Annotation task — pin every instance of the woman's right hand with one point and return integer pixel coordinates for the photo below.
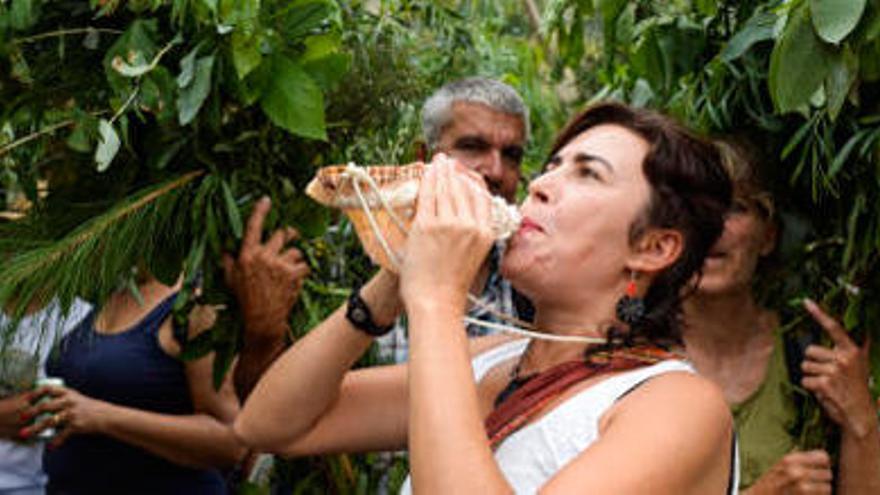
(798, 473)
(450, 238)
(71, 413)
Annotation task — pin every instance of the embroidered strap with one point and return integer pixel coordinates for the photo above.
(526, 402)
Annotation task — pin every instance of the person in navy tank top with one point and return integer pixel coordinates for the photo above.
(132, 417)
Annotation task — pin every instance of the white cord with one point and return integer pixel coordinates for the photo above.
(534, 335)
(359, 173)
(374, 225)
(356, 173)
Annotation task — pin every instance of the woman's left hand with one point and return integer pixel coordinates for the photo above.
(71, 412)
(838, 376)
(450, 237)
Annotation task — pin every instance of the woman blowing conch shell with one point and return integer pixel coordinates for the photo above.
(389, 194)
(621, 219)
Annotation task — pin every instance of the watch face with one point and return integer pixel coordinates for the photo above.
(358, 314)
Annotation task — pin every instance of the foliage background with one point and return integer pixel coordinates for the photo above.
(141, 132)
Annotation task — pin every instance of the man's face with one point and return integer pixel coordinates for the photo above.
(487, 141)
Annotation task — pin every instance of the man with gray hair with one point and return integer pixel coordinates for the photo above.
(483, 124)
(480, 122)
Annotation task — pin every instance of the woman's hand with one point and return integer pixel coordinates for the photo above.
(795, 474)
(13, 415)
(450, 238)
(71, 412)
(838, 376)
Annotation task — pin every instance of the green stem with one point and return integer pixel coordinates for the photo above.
(30, 137)
(64, 32)
(125, 105)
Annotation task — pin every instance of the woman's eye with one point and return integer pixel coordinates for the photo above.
(588, 172)
(739, 206)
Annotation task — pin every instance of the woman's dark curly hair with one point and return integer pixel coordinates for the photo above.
(690, 193)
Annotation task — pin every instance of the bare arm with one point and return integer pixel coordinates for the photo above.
(309, 401)
(201, 439)
(266, 279)
(449, 450)
(838, 377)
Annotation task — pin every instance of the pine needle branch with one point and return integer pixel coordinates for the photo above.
(92, 260)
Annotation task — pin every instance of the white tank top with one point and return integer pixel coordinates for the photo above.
(532, 455)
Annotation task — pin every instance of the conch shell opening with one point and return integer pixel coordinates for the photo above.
(390, 193)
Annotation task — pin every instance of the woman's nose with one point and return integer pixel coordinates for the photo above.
(539, 189)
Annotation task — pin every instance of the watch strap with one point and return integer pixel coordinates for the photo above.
(360, 316)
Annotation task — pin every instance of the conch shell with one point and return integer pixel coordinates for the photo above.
(394, 186)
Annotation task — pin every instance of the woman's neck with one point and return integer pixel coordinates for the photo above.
(123, 309)
(725, 324)
(557, 320)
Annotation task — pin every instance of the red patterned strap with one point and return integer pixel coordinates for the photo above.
(529, 400)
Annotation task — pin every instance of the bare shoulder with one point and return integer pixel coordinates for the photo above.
(677, 398)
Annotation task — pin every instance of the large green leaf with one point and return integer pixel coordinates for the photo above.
(799, 63)
(758, 28)
(293, 101)
(193, 95)
(835, 19)
(246, 55)
(327, 71)
(841, 77)
(302, 16)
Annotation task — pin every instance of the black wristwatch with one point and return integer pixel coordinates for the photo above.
(359, 315)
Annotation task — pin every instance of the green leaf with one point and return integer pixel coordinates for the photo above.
(329, 70)
(232, 211)
(108, 145)
(798, 65)
(759, 27)
(869, 63)
(841, 77)
(23, 14)
(293, 101)
(835, 19)
(193, 96)
(137, 39)
(842, 155)
(303, 16)
(707, 7)
(137, 65)
(611, 9)
(246, 55)
(85, 130)
(188, 68)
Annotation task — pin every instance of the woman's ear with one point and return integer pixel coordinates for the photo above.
(768, 243)
(656, 250)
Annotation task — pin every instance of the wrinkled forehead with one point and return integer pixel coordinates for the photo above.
(468, 119)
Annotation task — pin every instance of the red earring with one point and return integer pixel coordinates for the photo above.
(630, 308)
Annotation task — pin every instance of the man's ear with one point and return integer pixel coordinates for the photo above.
(656, 250)
(421, 151)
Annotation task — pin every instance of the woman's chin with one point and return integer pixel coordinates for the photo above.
(519, 270)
